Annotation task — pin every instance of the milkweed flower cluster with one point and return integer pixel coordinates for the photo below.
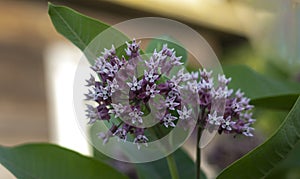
(117, 76)
(237, 117)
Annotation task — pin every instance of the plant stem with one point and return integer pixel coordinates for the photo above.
(172, 167)
(198, 152)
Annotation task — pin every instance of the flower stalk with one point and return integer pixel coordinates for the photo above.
(172, 166)
(198, 152)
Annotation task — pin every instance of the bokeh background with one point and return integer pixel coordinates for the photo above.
(263, 35)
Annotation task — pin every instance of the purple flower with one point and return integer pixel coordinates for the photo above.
(117, 109)
(227, 124)
(90, 95)
(170, 103)
(140, 139)
(184, 114)
(168, 120)
(214, 119)
(151, 91)
(136, 116)
(154, 61)
(221, 93)
(103, 92)
(135, 85)
(133, 49)
(150, 76)
(91, 81)
(247, 131)
(121, 133)
(116, 74)
(223, 81)
(92, 114)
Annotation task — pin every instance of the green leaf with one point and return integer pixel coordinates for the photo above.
(81, 30)
(76, 27)
(264, 91)
(33, 161)
(159, 169)
(259, 162)
(172, 43)
(286, 168)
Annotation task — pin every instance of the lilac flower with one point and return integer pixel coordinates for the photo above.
(175, 60)
(91, 81)
(206, 85)
(113, 85)
(221, 93)
(168, 120)
(167, 51)
(150, 76)
(239, 94)
(135, 85)
(109, 54)
(214, 119)
(227, 123)
(155, 60)
(184, 76)
(193, 86)
(140, 139)
(112, 70)
(184, 114)
(127, 118)
(117, 109)
(205, 75)
(92, 114)
(135, 115)
(133, 49)
(223, 81)
(194, 75)
(170, 103)
(172, 93)
(247, 131)
(121, 133)
(103, 92)
(151, 91)
(90, 95)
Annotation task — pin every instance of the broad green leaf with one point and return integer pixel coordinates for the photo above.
(264, 91)
(172, 43)
(81, 30)
(289, 168)
(159, 169)
(260, 161)
(76, 27)
(34, 161)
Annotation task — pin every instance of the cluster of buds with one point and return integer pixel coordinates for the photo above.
(118, 77)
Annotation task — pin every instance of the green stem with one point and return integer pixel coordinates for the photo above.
(200, 124)
(198, 152)
(172, 166)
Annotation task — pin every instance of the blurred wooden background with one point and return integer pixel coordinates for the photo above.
(23, 29)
